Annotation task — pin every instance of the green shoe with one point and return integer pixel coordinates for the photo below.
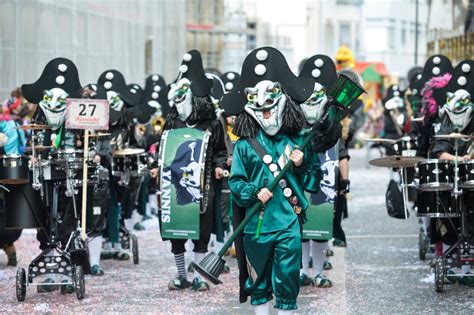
(46, 287)
(467, 279)
(329, 252)
(67, 288)
(305, 280)
(121, 255)
(321, 281)
(139, 227)
(200, 285)
(97, 271)
(339, 243)
(179, 283)
(106, 254)
(327, 265)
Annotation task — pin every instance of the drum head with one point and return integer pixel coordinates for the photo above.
(24, 208)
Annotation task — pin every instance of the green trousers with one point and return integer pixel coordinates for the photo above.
(274, 260)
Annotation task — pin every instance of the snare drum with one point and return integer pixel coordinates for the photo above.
(71, 157)
(466, 174)
(436, 175)
(437, 204)
(14, 170)
(137, 163)
(405, 147)
(118, 165)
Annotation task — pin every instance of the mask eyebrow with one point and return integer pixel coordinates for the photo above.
(250, 90)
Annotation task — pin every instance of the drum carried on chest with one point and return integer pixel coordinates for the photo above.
(436, 175)
(14, 170)
(405, 147)
(466, 174)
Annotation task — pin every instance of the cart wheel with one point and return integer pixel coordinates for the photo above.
(79, 283)
(439, 274)
(422, 245)
(133, 237)
(20, 284)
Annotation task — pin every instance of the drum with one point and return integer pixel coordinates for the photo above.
(118, 165)
(405, 147)
(24, 208)
(137, 163)
(437, 204)
(466, 174)
(14, 170)
(69, 159)
(436, 175)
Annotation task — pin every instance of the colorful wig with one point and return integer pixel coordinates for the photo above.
(429, 107)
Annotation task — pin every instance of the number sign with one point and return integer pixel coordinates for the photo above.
(83, 113)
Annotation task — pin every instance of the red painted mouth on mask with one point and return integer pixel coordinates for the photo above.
(266, 114)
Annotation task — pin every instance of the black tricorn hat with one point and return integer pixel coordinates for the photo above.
(156, 90)
(463, 78)
(393, 91)
(113, 80)
(230, 80)
(58, 73)
(435, 66)
(266, 63)
(415, 73)
(218, 89)
(321, 69)
(191, 68)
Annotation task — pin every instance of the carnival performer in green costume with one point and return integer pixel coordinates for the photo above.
(269, 118)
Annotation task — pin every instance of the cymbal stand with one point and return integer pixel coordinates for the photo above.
(404, 186)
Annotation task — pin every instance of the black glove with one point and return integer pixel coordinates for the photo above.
(345, 186)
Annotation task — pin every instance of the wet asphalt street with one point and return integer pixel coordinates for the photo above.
(378, 273)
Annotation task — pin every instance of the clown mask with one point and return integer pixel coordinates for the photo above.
(53, 106)
(265, 103)
(315, 105)
(459, 108)
(180, 95)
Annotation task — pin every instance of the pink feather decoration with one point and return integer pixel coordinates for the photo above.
(429, 108)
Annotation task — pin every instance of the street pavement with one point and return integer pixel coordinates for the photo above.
(378, 273)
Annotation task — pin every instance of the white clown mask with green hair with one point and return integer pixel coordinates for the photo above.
(180, 95)
(315, 106)
(459, 108)
(53, 106)
(265, 103)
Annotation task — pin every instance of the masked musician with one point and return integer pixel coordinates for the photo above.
(457, 117)
(322, 70)
(191, 167)
(265, 100)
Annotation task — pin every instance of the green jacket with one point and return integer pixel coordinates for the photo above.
(248, 176)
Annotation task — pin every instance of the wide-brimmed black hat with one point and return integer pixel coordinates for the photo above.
(393, 91)
(462, 78)
(191, 68)
(415, 73)
(58, 73)
(321, 69)
(156, 93)
(435, 66)
(113, 80)
(218, 89)
(266, 63)
(230, 80)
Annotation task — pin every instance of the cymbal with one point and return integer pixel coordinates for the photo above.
(454, 136)
(100, 134)
(33, 127)
(380, 140)
(128, 151)
(396, 161)
(39, 148)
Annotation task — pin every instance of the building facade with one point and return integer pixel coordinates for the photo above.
(136, 37)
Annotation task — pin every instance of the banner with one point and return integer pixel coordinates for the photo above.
(320, 213)
(181, 159)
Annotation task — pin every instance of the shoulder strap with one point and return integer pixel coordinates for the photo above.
(261, 152)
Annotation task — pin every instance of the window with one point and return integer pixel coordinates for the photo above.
(344, 34)
(391, 37)
(404, 36)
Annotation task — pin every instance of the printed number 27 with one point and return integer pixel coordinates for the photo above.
(84, 108)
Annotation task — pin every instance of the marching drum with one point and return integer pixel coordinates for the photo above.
(118, 165)
(466, 174)
(436, 175)
(437, 204)
(14, 170)
(24, 208)
(137, 163)
(405, 147)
